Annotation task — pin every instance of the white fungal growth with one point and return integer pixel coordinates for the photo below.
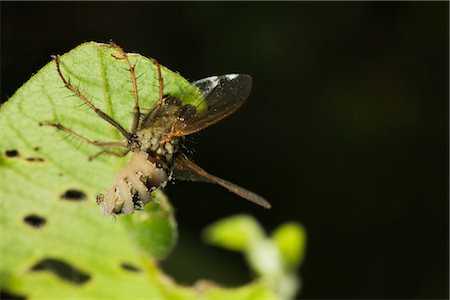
(132, 185)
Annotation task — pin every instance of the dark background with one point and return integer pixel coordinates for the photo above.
(346, 130)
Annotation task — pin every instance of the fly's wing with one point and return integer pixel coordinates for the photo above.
(182, 171)
(223, 95)
(185, 169)
(163, 115)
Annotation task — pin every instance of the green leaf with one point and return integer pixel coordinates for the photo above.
(55, 243)
(158, 218)
(236, 233)
(275, 260)
(291, 241)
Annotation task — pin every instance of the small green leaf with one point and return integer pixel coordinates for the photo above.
(265, 259)
(236, 233)
(291, 241)
(154, 230)
(274, 260)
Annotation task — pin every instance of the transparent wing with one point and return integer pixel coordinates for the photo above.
(164, 115)
(223, 95)
(185, 169)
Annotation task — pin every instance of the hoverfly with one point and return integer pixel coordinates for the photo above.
(155, 140)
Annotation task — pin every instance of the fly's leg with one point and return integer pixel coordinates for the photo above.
(151, 114)
(99, 112)
(160, 82)
(137, 113)
(82, 138)
(136, 117)
(123, 55)
(109, 152)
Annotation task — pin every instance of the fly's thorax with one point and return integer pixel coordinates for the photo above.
(132, 186)
(161, 153)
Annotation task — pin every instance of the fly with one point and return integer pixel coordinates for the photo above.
(155, 140)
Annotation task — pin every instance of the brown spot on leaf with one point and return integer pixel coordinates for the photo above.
(63, 270)
(7, 295)
(35, 220)
(35, 159)
(73, 195)
(130, 267)
(12, 153)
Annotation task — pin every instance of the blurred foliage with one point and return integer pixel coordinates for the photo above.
(290, 239)
(273, 259)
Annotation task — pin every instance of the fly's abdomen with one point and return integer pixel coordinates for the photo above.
(132, 186)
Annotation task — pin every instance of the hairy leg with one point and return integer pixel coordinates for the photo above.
(77, 92)
(58, 126)
(137, 114)
(109, 152)
(154, 111)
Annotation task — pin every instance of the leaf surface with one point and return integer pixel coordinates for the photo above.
(55, 243)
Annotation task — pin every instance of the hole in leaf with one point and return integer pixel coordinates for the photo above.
(35, 220)
(63, 270)
(130, 267)
(5, 294)
(73, 195)
(35, 159)
(12, 153)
